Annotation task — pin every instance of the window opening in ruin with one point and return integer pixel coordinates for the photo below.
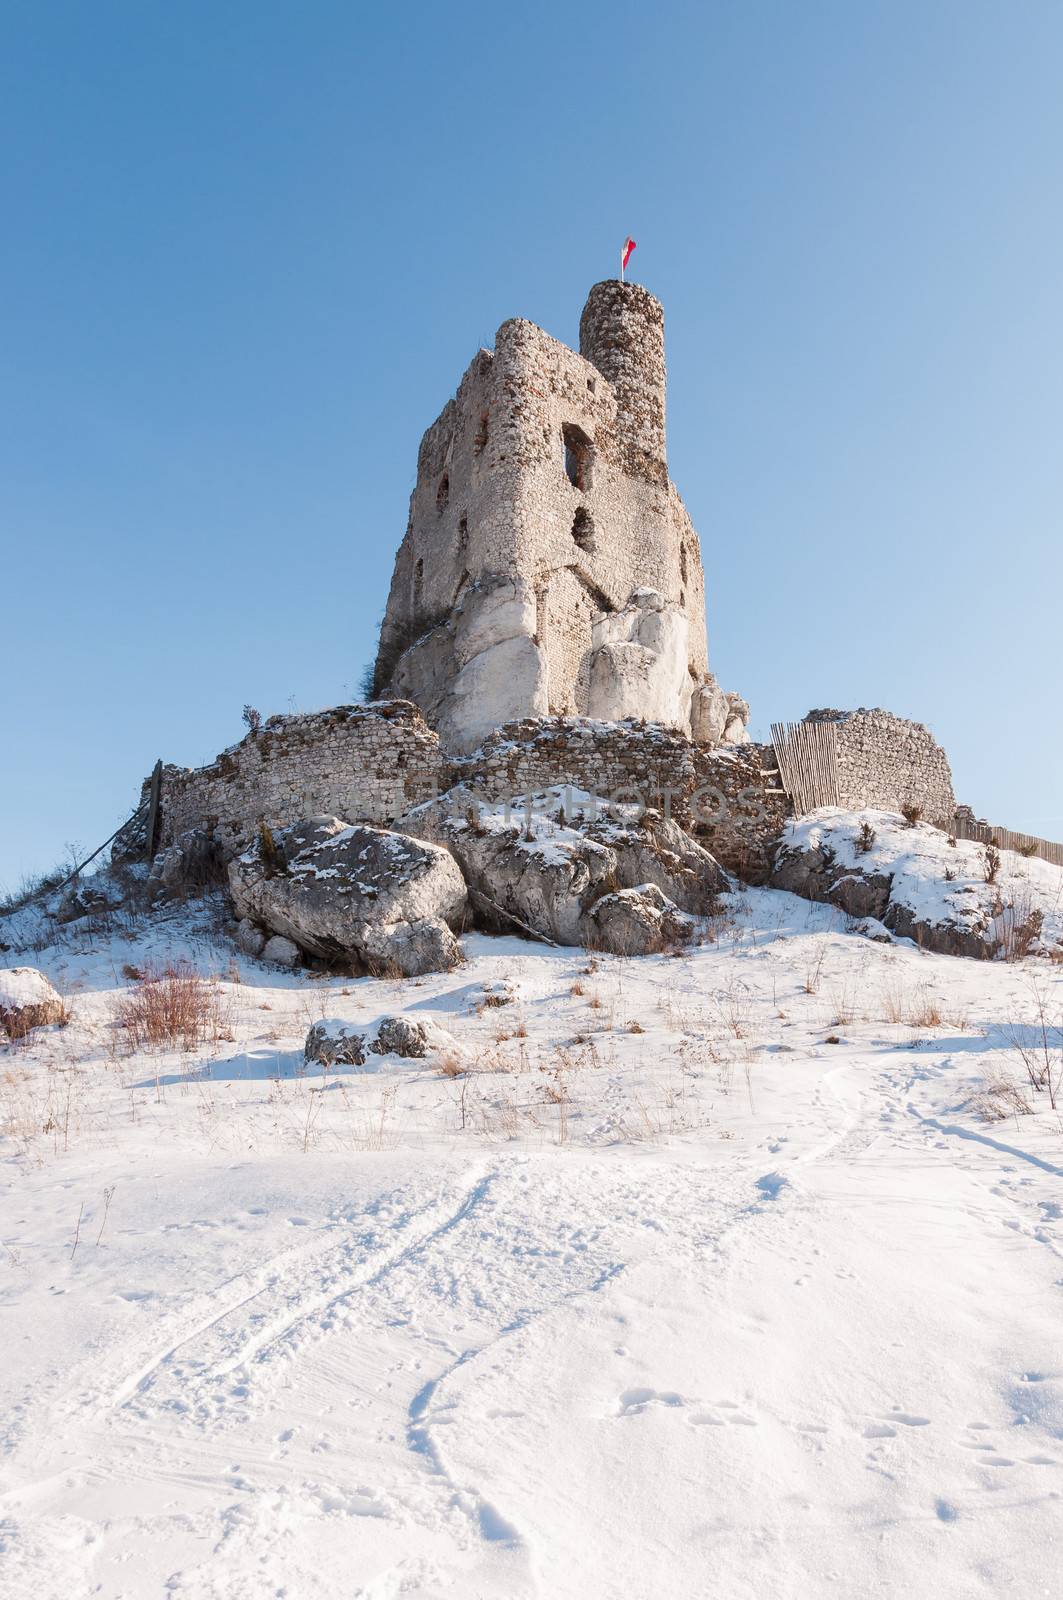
(443, 493)
(418, 584)
(479, 444)
(583, 529)
(591, 385)
(463, 532)
(579, 456)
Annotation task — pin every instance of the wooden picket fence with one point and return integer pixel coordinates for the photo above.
(807, 753)
(1026, 844)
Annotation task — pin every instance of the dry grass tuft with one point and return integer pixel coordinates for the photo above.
(172, 1007)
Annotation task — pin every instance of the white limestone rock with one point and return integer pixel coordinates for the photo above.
(637, 922)
(546, 870)
(353, 893)
(250, 937)
(717, 717)
(281, 951)
(480, 668)
(639, 663)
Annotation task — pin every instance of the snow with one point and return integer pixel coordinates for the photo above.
(709, 1278)
(23, 986)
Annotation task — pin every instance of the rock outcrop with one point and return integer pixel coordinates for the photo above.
(717, 717)
(638, 666)
(190, 863)
(637, 922)
(353, 893)
(537, 867)
(477, 666)
(948, 897)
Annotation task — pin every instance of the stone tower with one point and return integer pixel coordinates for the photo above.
(549, 565)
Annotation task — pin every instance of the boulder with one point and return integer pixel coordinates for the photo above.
(542, 868)
(27, 1000)
(87, 898)
(816, 873)
(709, 712)
(190, 863)
(398, 1036)
(281, 951)
(717, 717)
(655, 849)
(354, 893)
(480, 666)
(250, 938)
(637, 922)
(544, 875)
(334, 1043)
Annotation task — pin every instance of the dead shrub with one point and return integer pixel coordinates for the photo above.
(894, 1002)
(1039, 1046)
(925, 1012)
(1020, 923)
(865, 838)
(991, 863)
(171, 1007)
(1001, 1098)
(911, 814)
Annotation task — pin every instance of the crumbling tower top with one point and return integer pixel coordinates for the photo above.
(621, 332)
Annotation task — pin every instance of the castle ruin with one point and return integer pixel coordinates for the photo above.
(549, 566)
(546, 627)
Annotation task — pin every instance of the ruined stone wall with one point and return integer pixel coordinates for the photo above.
(886, 762)
(727, 796)
(374, 763)
(506, 561)
(370, 763)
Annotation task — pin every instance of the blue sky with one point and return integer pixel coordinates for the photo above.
(249, 250)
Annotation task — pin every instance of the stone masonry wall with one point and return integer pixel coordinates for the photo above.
(374, 763)
(370, 763)
(727, 796)
(886, 762)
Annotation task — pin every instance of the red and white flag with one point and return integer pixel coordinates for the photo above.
(625, 255)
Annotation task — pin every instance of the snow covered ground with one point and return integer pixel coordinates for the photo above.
(709, 1278)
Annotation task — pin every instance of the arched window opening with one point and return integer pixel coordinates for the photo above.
(463, 532)
(443, 493)
(479, 444)
(579, 456)
(583, 529)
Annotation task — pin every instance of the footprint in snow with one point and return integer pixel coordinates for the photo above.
(733, 1416)
(634, 1401)
(884, 1429)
